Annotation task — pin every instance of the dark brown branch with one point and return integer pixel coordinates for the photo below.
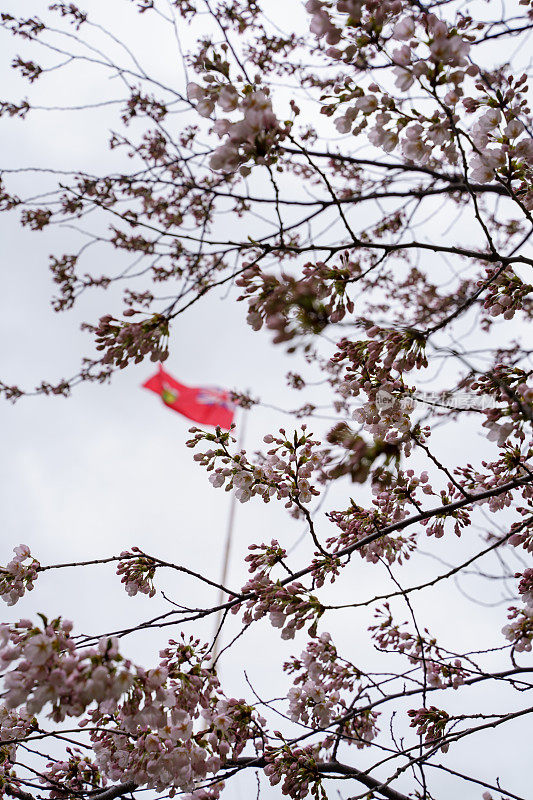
(115, 791)
(332, 768)
(11, 791)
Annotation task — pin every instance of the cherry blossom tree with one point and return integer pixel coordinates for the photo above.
(337, 148)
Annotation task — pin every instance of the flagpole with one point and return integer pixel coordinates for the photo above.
(229, 540)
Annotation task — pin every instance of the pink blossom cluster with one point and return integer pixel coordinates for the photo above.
(493, 475)
(511, 389)
(499, 433)
(137, 570)
(431, 723)
(320, 661)
(446, 45)
(440, 675)
(525, 587)
(421, 651)
(461, 518)
(254, 137)
(264, 556)
(445, 52)
(156, 756)
(365, 104)
(309, 703)
(386, 350)
(79, 773)
(316, 697)
(497, 147)
(502, 147)
(521, 537)
(46, 668)
(325, 566)
(321, 21)
(362, 14)
(384, 414)
(390, 505)
(520, 630)
(210, 792)
(375, 367)
(393, 504)
(391, 128)
(293, 601)
(207, 97)
(174, 728)
(16, 578)
(13, 725)
(506, 293)
(123, 341)
(290, 306)
(289, 607)
(297, 767)
(284, 473)
(167, 727)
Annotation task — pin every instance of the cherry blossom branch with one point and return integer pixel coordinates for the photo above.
(336, 768)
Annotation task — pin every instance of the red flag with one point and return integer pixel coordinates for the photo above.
(206, 405)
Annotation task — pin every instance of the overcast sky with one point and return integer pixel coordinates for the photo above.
(106, 469)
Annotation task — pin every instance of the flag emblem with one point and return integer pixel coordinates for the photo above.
(213, 396)
(168, 394)
(204, 404)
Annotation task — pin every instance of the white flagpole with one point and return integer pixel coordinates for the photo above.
(228, 542)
